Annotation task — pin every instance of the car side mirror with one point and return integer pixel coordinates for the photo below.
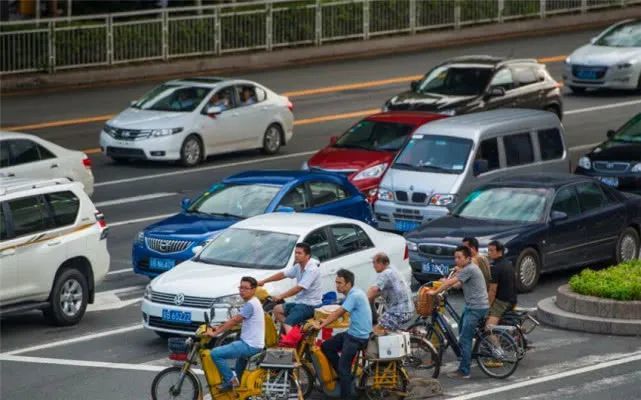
(611, 133)
(197, 249)
(593, 40)
(214, 110)
(481, 167)
(285, 209)
(414, 85)
(495, 92)
(185, 203)
(557, 216)
(333, 140)
(132, 102)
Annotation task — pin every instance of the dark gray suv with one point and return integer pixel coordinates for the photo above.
(478, 83)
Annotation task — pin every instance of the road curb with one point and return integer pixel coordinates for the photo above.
(245, 62)
(576, 303)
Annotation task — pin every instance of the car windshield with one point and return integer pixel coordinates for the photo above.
(178, 98)
(456, 81)
(626, 35)
(240, 201)
(631, 131)
(435, 154)
(249, 248)
(505, 204)
(375, 135)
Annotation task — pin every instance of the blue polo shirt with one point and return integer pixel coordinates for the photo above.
(357, 305)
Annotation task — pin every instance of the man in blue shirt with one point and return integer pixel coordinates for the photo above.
(348, 343)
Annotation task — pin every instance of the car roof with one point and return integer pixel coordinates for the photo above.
(279, 177)
(406, 117)
(16, 135)
(540, 180)
(488, 60)
(208, 81)
(291, 223)
(472, 126)
(17, 185)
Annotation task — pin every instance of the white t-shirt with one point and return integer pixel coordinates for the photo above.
(310, 280)
(252, 331)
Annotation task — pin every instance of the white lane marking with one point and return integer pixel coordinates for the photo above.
(213, 167)
(134, 221)
(91, 364)
(602, 107)
(632, 357)
(109, 299)
(134, 199)
(604, 384)
(120, 271)
(78, 339)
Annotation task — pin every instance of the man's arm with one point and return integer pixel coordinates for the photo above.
(289, 293)
(373, 292)
(278, 276)
(491, 292)
(332, 317)
(447, 283)
(230, 323)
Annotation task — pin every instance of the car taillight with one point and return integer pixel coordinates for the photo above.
(290, 105)
(86, 161)
(100, 218)
(407, 253)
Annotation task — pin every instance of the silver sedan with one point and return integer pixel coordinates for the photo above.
(612, 60)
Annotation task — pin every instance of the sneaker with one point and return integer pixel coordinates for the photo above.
(458, 375)
(233, 383)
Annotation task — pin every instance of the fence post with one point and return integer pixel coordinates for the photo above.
(542, 8)
(217, 32)
(110, 39)
(52, 47)
(457, 16)
(318, 24)
(165, 35)
(584, 6)
(365, 19)
(412, 6)
(269, 18)
(501, 6)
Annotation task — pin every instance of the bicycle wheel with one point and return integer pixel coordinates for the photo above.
(497, 354)
(306, 380)
(432, 334)
(167, 385)
(389, 388)
(424, 357)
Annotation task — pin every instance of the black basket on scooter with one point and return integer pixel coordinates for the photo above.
(177, 345)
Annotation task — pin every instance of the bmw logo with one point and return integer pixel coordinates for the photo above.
(179, 299)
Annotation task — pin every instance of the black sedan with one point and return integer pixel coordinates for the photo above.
(548, 222)
(479, 83)
(617, 161)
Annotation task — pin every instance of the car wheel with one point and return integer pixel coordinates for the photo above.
(639, 84)
(556, 110)
(68, 299)
(191, 152)
(528, 270)
(272, 139)
(577, 89)
(627, 245)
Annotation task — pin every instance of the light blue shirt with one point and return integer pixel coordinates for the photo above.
(357, 304)
(310, 280)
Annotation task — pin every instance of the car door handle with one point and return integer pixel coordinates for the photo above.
(8, 252)
(54, 243)
(10, 174)
(54, 165)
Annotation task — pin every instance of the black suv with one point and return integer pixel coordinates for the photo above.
(469, 84)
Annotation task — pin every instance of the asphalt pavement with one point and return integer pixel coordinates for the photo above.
(109, 356)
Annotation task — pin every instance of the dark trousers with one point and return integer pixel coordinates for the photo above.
(348, 346)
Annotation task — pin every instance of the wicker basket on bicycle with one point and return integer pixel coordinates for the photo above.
(425, 303)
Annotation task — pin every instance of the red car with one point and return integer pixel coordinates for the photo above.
(364, 152)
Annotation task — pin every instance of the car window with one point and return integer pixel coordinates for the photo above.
(375, 135)
(3, 224)
(503, 79)
(591, 196)
(325, 193)
(261, 95)
(518, 149)
(455, 81)
(240, 201)
(489, 150)
(44, 153)
(567, 202)
(525, 75)
(5, 157)
(296, 198)
(319, 242)
(550, 144)
(29, 215)
(65, 207)
(350, 238)
(23, 151)
(174, 97)
(224, 98)
(247, 94)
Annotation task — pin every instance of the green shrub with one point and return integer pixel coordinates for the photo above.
(620, 282)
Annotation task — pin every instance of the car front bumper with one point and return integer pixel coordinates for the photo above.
(613, 78)
(625, 181)
(152, 317)
(141, 256)
(164, 148)
(400, 217)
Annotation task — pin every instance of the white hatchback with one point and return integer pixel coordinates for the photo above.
(176, 301)
(190, 119)
(28, 156)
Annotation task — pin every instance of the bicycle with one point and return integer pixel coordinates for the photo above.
(495, 350)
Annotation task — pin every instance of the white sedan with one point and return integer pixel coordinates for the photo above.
(191, 119)
(28, 156)
(176, 301)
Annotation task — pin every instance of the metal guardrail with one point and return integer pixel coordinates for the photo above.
(74, 42)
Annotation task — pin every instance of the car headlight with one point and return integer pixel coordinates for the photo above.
(140, 237)
(164, 132)
(636, 168)
(385, 107)
(443, 199)
(385, 194)
(147, 295)
(372, 172)
(233, 300)
(626, 65)
(411, 246)
(109, 130)
(568, 60)
(451, 112)
(585, 163)
(305, 166)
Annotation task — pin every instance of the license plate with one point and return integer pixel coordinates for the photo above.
(404, 226)
(161, 263)
(181, 317)
(434, 268)
(586, 74)
(610, 180)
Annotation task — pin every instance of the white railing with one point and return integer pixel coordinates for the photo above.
(73, 42)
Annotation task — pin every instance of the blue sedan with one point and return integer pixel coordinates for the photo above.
(164, 244)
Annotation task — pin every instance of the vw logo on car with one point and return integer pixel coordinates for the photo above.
(179, 299)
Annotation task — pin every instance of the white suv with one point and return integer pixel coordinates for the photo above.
(53, 248)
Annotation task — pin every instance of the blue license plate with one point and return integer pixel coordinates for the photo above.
(181, 317)
(610, 180)
(161, 263)
(586, 74)
(404, 226)
(434, 268)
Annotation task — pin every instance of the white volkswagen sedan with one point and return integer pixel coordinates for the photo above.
(176, 301)
(191, 119)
